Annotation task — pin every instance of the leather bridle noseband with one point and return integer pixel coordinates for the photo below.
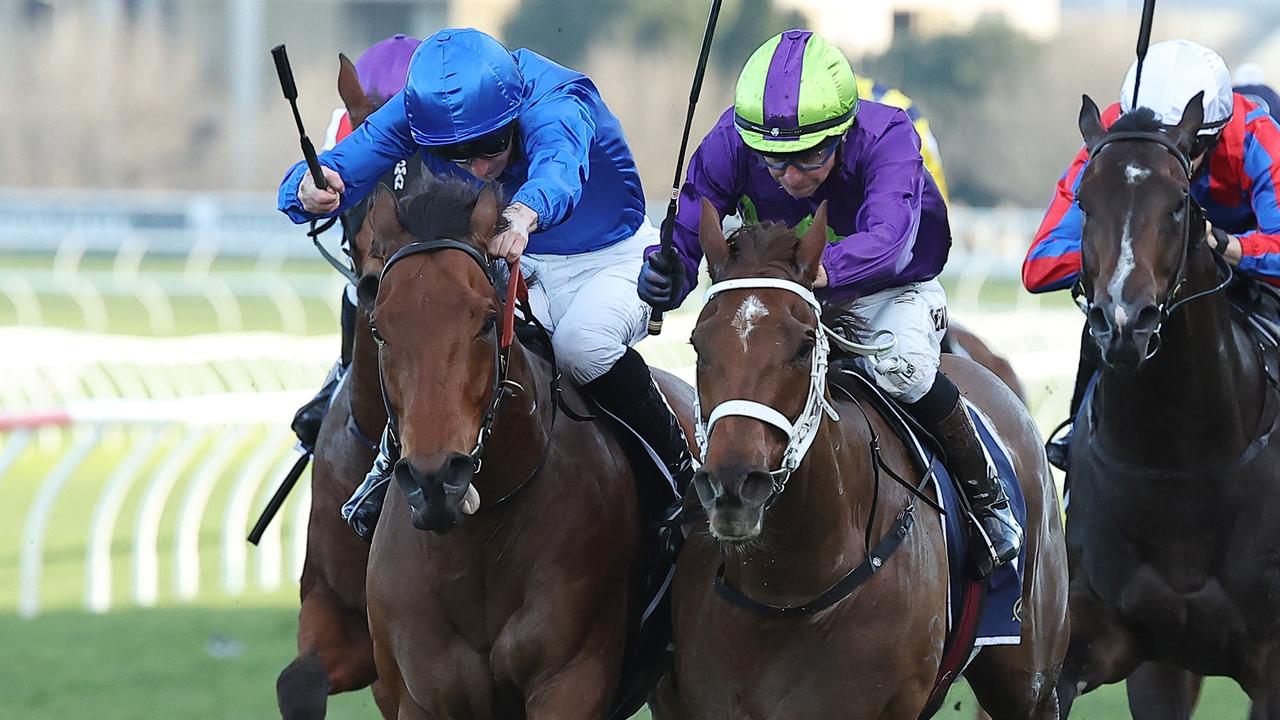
(1171, 301)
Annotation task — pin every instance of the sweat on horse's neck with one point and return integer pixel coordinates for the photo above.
(1198, 400)
(813, 534)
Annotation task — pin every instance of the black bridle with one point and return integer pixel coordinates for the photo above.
(1191, 212)
(502, 386)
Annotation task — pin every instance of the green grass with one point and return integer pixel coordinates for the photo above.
(221, 662)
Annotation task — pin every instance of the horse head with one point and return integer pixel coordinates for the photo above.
(434, 315)
(757, 341)
(1138, 225)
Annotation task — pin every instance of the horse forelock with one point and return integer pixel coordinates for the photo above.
(765, 249)
(440, 208)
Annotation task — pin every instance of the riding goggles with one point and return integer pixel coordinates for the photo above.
(805, 160)
(485, 146)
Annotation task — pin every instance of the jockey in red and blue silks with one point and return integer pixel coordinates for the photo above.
(1237, 161)
(477, 112)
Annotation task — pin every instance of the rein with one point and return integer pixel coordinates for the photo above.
(800, 436)
(502, 386)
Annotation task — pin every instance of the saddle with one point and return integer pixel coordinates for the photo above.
(1257, 310)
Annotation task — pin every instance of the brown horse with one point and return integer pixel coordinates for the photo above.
(1172, 543)
(519, 610)
(876, 652)
(335, 653)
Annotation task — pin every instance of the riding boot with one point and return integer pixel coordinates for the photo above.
(361, 512)
(997, 538)
(627, 392)
(309, 417)
(1059, 448)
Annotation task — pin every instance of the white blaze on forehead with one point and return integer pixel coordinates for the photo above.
(1135, 173)
(744, 321)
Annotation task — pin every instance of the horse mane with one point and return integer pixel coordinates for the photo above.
(1142, 119)
(762, 247)
(440, 207)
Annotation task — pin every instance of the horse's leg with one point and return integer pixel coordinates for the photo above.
(582, 689)
(1101, 650)
(1158, 691)
(334, 655)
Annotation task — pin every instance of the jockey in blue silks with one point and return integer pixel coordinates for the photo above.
(475, 111)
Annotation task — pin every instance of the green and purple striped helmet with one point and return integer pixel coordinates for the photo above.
(794, 91)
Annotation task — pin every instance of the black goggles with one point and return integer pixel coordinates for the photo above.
(485, 146)
(805, 160)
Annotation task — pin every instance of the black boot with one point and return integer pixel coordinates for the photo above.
(361, 512)
(627, 392)
(309, 417)
(1059, 448)
(998, 537)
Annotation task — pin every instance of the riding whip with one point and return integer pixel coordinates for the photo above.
(668, 224)
(1144, 39)
(285, 72)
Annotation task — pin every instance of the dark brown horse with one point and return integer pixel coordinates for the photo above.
(519, 610)
(876, 652)
(1175, 553)
(335, 653)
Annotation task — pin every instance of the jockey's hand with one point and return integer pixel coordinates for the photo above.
(821, 280)
(661, 279)
(510, 243)
(321, 202)
(1234, 250)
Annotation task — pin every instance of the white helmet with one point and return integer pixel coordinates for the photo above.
(1174, 71)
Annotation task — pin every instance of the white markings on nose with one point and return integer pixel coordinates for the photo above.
(744, 321)
(1124, 265)
(1135, 173)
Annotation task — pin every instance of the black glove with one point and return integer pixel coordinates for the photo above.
(661, 279)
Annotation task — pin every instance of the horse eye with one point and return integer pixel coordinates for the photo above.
(805, 350)
(377, 336)
(489, 323)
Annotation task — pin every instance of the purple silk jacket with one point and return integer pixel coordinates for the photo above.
(887, 222)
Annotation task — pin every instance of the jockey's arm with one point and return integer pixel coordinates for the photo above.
(1053, 260)
(1260, 248)
(558, 133)
(886, 224)
(712, 175)
(360, 160)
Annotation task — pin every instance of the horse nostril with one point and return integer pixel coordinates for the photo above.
(1148, 320)
(1099, 327)
(757, 486)
(702, 485)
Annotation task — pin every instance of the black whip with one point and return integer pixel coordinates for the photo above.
(1144, 40)
(668, 225)
(285, 72)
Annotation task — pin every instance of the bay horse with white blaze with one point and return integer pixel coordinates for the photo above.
(517, 608)
(872, 653)
(1174, 546)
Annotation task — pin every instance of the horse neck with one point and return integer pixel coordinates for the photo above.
(1199, 397)
(367, 407)
(812, 535)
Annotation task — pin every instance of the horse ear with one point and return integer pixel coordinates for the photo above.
(1192, 120)
(809, 253)
(359, 107)
(484, 217)
(711, 237)
(383, 220)
(1090, 121)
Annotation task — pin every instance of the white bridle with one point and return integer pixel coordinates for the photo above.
(801, 433)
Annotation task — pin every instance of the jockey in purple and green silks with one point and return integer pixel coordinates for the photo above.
(798, 135)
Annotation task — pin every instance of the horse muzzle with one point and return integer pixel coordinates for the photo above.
(435, 498)
(735, 501)
(1128, 334)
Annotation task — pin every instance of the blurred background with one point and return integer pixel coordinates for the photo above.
(161, 322)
